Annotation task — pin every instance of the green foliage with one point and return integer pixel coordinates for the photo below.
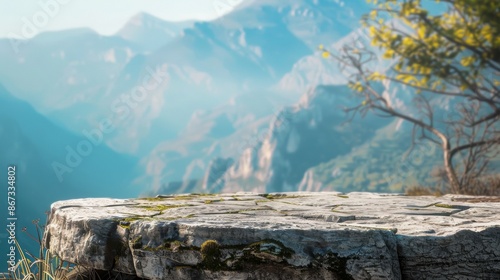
(380, 165)
(453, 54)
(438, 52)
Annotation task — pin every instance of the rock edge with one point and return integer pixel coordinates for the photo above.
(281, 236)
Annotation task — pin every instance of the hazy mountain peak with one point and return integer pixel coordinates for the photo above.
(151, 32)
(313, 21)
(146, 20)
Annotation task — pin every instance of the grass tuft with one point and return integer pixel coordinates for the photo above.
(45, 266)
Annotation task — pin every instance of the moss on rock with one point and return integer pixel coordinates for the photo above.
(210, 254)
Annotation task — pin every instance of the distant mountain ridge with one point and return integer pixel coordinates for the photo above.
(150, 32)
(214, 121)
(312, 133)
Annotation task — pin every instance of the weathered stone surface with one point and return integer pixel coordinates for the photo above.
(282, 236)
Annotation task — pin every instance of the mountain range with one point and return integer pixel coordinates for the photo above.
(240, 103)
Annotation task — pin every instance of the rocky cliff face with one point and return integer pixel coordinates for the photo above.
(315, 146)
(300, 137)
(281, 236)
(151, 33)
(214, 177)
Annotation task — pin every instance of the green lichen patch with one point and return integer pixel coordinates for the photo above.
(162, 207)
(442, 205)
(279, 196)
(184, 197)
(335, 208)
(176, 245)
(126, 222)
(153, 198)
(420, 207)
(181, 196)
(205, 194)
(451, 206)
(174, 218)
(132, 219)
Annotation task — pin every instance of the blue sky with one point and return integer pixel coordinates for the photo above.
(104, 16)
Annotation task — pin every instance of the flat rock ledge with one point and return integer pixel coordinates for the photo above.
(280, 236)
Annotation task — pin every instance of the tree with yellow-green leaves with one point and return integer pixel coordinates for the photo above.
(453, 54)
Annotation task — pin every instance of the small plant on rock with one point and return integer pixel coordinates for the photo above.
(210, 254)
(45, 266)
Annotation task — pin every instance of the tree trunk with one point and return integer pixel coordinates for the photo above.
(448, 167)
